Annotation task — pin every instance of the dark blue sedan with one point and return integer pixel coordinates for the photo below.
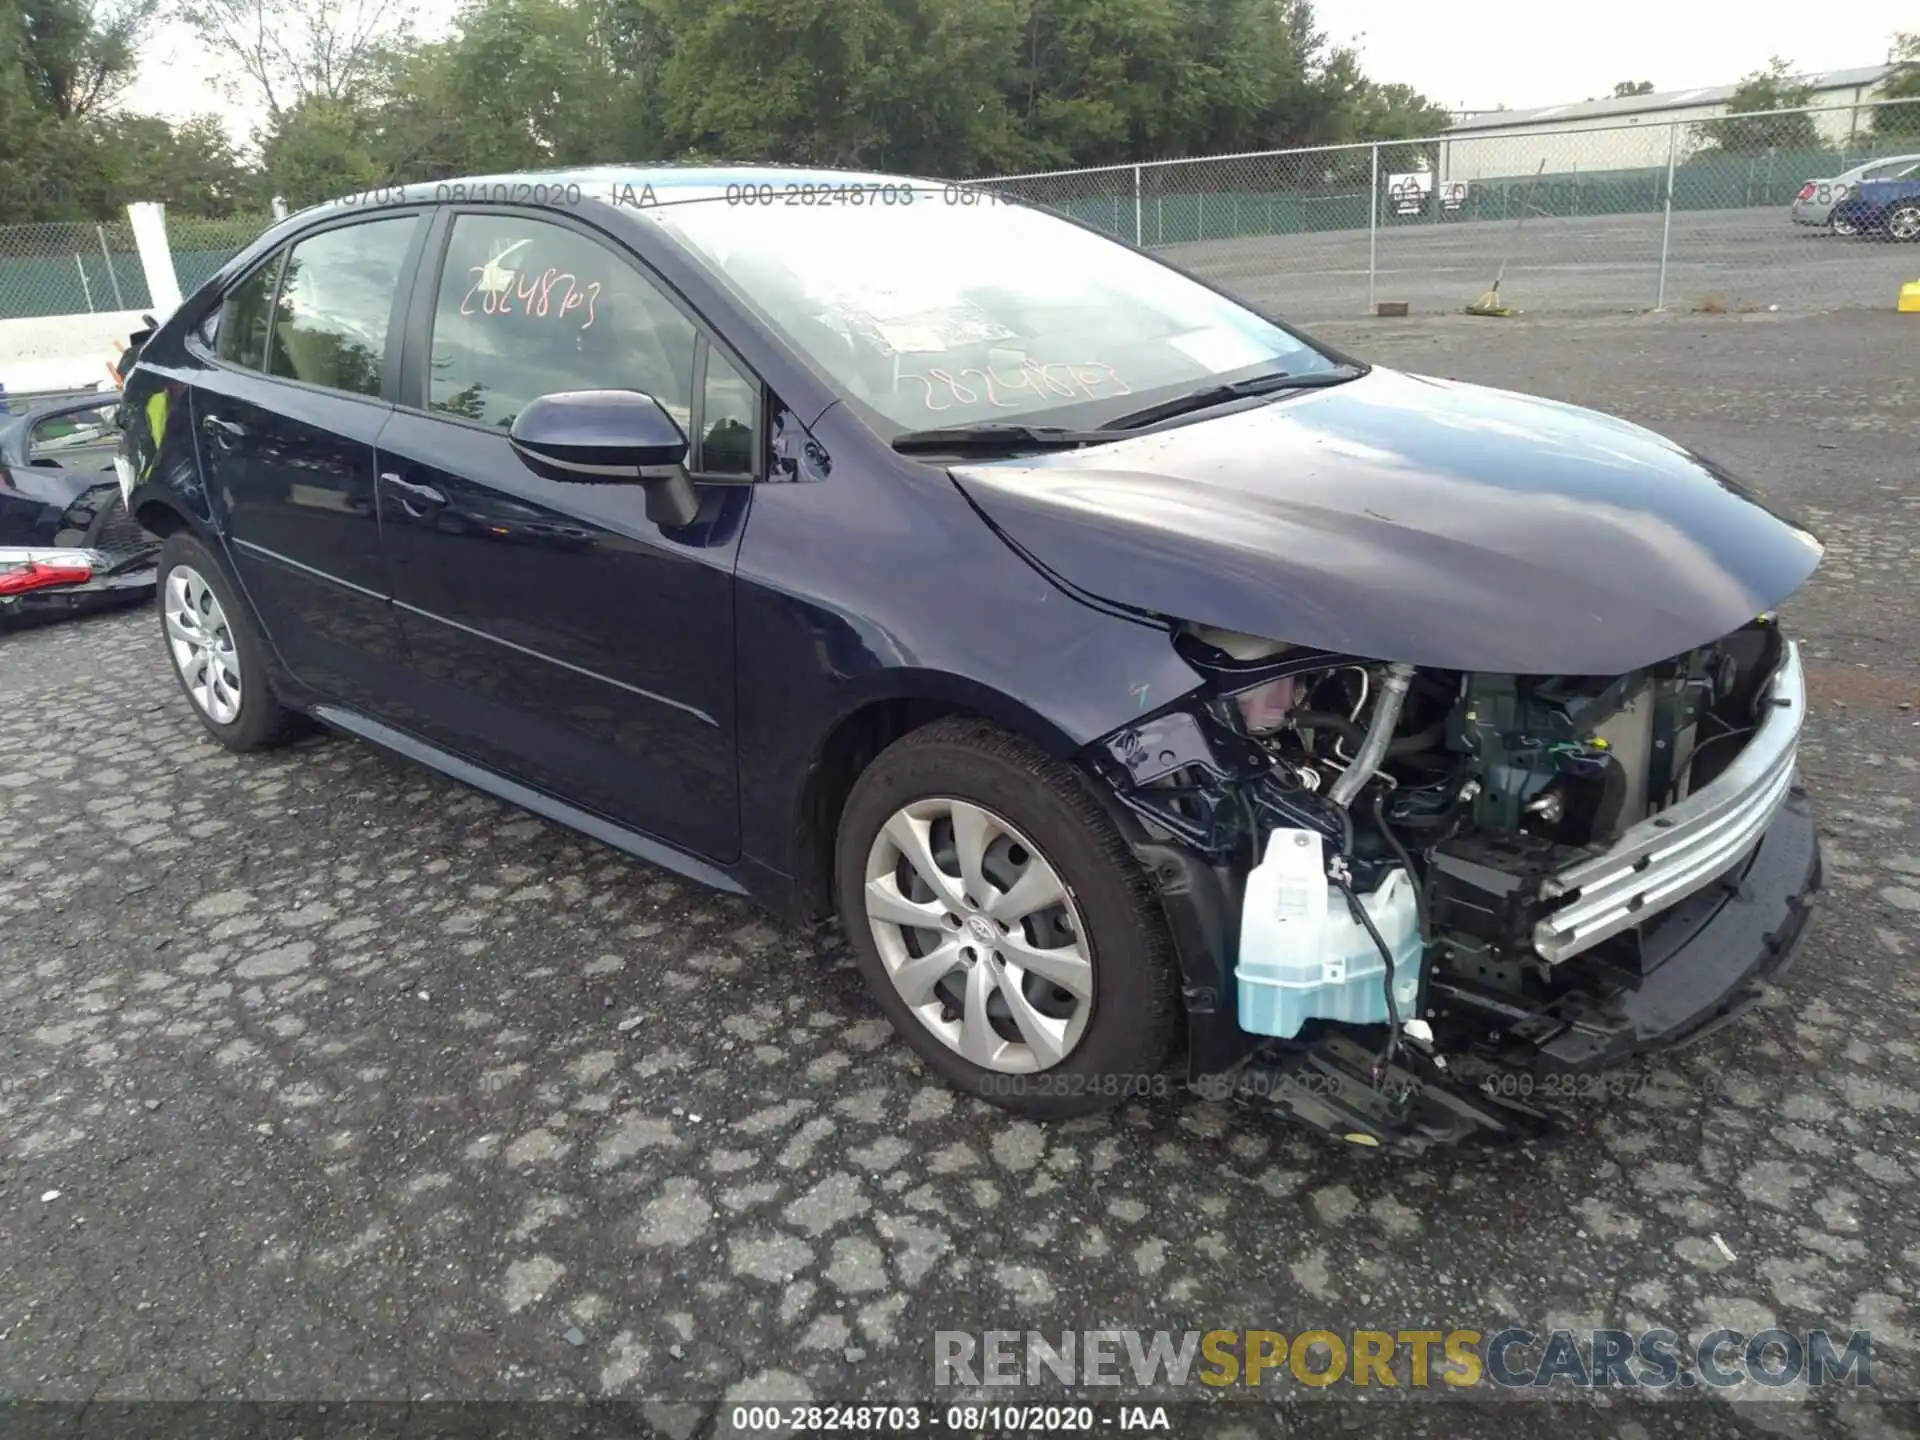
(1127, 672)
(1881, 207)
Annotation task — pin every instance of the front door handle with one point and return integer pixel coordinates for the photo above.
(424, 493)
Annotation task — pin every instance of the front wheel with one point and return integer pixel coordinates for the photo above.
(1904, 222)
(1003, 925)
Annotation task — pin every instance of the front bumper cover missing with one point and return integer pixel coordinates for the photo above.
(1705, 962)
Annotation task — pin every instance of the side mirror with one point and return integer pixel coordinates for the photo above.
(609, 437)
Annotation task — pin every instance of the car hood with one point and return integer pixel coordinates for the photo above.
(1400, 517)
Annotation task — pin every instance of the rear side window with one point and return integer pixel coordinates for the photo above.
(330, 326)
(245, 315)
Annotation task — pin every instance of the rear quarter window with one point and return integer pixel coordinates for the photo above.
(246, 315)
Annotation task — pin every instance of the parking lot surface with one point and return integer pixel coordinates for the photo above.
(1718, 259)
(323, 1077)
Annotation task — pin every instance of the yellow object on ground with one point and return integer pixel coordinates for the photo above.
(1910, 297)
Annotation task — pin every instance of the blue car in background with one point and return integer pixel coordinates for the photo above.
(1882, 207)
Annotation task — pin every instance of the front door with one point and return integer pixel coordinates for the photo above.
(288, 408)
(558, 635)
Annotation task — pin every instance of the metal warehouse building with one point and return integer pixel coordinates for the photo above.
(1632, 133)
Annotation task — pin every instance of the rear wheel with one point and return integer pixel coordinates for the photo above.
(1843, 226)
(217, 654)
(1002, 924)
(1904, 222)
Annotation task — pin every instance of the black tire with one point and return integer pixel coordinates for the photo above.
(262, 721)
(1122, 1051)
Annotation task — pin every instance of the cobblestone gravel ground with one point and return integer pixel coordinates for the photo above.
(323, 1077)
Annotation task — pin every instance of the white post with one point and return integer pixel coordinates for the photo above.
(279, 208)
(1136, 205)
(156, 256)
(85, 289)
(1666, 225)
(1373, 226)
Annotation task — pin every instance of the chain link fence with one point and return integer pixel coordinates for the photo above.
(84, 267)
(1719, 212)
(201, 246)
(69, 268)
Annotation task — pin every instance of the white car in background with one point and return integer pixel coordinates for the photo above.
(1814, 204)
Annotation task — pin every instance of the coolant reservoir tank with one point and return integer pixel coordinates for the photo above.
(1303, 956)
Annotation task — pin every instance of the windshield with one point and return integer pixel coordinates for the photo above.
(949, 306)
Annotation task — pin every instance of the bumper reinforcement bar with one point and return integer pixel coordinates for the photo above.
(1661, 860)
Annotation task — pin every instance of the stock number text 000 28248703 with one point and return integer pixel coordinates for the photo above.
(859, 193)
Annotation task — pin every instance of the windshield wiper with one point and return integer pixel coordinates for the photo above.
(1207, 396)
(996, 436)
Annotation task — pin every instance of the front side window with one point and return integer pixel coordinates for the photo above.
(729, 419)
(330, 326)
(246, 313)
(951, 307)
(527, 308)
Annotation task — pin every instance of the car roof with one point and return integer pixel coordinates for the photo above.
(1866, 165)
(621, 185)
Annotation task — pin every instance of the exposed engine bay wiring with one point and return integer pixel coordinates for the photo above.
(1472, 785)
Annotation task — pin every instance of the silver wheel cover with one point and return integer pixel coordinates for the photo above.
(202, 645)
(979, 935)
(1904, 223)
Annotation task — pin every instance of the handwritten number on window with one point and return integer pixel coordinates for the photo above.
(1092, 380)
(533, 291)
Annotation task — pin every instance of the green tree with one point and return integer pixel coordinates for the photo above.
(318, 149)
(80, 55)
(284, 53)
(905, 84)
(517, 84)
(1901, 122)
(25, 182)
(1744, 130)
(1627, 89)
(936, 87)
(191, 165)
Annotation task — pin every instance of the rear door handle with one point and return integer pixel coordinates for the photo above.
(224, 432)
(419, 492)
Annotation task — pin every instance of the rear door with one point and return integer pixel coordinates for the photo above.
(304, 356)
(560, 636)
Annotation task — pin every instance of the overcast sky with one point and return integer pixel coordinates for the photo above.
(1472, 54)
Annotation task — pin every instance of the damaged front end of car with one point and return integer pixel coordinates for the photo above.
(1390, 885)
